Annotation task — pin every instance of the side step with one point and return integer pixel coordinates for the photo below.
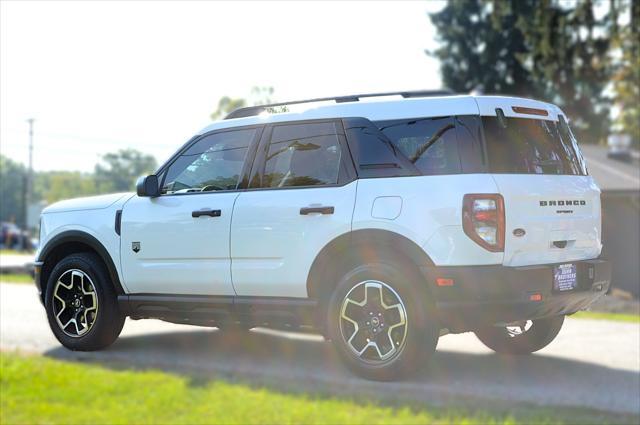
(204, 310)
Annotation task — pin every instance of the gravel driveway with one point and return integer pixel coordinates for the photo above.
(593, 364)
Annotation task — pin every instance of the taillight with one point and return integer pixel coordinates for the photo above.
(483, 220)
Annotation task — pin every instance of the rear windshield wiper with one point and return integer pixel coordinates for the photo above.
(420, 151)
(550, 163)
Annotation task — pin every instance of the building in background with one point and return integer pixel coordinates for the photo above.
(620, 185)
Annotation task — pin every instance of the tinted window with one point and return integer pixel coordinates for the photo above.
(372, 151)
(469, 135)
(429, 143)
(302, 155)
(212, 163)
(568, 138)
(529, 146)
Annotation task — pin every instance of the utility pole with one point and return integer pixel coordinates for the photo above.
(29, 182)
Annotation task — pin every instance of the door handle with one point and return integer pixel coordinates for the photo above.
(209, 212)
(316, 210)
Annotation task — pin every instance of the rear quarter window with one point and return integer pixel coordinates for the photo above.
(429, 143)
(373, 154)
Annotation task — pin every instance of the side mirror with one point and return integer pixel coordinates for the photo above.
(148, 186)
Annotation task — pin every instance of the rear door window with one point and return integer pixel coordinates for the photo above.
(307, 154)
(429, 143)
(530, 146)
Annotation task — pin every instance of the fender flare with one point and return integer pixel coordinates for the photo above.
(86, 239)
(378, 239)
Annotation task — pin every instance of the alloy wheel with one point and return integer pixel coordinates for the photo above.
(374, 322)
(75, 303)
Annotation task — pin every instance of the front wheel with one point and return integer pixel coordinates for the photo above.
(521, 338)
(81, 305)
(382, 322)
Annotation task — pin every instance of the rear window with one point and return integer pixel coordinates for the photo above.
(429, 143)
(530, 146)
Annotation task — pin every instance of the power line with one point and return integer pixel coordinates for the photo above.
(28, 184)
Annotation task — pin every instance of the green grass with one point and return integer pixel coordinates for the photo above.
(40, 390)
(15, 278)
(14, 252)
(616, 317)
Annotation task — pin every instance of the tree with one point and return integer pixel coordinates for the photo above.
(53, 186)
(226, 104)
(12, 180)
(548, 49)
(118, 171)
(570, 61)
(481, 47)
(627, 74)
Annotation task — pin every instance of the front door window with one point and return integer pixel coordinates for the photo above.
(211, 164)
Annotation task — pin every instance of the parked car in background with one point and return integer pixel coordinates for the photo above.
(382, 224)
(619, 146)
(14, 238)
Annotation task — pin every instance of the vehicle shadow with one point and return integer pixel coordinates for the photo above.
(307, 364)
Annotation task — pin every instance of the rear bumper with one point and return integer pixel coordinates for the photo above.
(485, 295)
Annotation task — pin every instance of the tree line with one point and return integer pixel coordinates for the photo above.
(116, 172)
(582, 55)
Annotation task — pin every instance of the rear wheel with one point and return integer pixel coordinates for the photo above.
(523, 337)
(381, 322)
(81, 305)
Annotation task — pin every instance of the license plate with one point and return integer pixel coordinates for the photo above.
(565, 277)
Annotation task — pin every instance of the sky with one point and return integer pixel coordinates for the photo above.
(103, 76)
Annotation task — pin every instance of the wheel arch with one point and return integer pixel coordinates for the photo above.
(70, 242)
(350, 247)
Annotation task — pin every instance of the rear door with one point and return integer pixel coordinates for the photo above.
(301, 196)
(552, 207)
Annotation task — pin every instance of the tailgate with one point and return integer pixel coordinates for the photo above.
(560, 216)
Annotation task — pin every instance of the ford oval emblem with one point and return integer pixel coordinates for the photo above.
(519, 232)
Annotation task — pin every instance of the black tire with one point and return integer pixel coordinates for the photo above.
(538, 336)
(107, 321)
(420, 335)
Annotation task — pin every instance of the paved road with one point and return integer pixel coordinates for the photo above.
(15, 263)
(611, 174)
(593, 364)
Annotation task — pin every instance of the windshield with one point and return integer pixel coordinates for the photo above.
(529, 146)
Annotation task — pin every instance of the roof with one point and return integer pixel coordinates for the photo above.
(611, 174)
(383, 108)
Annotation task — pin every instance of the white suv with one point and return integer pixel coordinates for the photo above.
(381, 221)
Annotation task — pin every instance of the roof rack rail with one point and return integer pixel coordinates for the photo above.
(250, 111)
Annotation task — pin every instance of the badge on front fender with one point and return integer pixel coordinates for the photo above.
(135, 246)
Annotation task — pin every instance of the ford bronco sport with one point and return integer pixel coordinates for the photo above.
(382, 221)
